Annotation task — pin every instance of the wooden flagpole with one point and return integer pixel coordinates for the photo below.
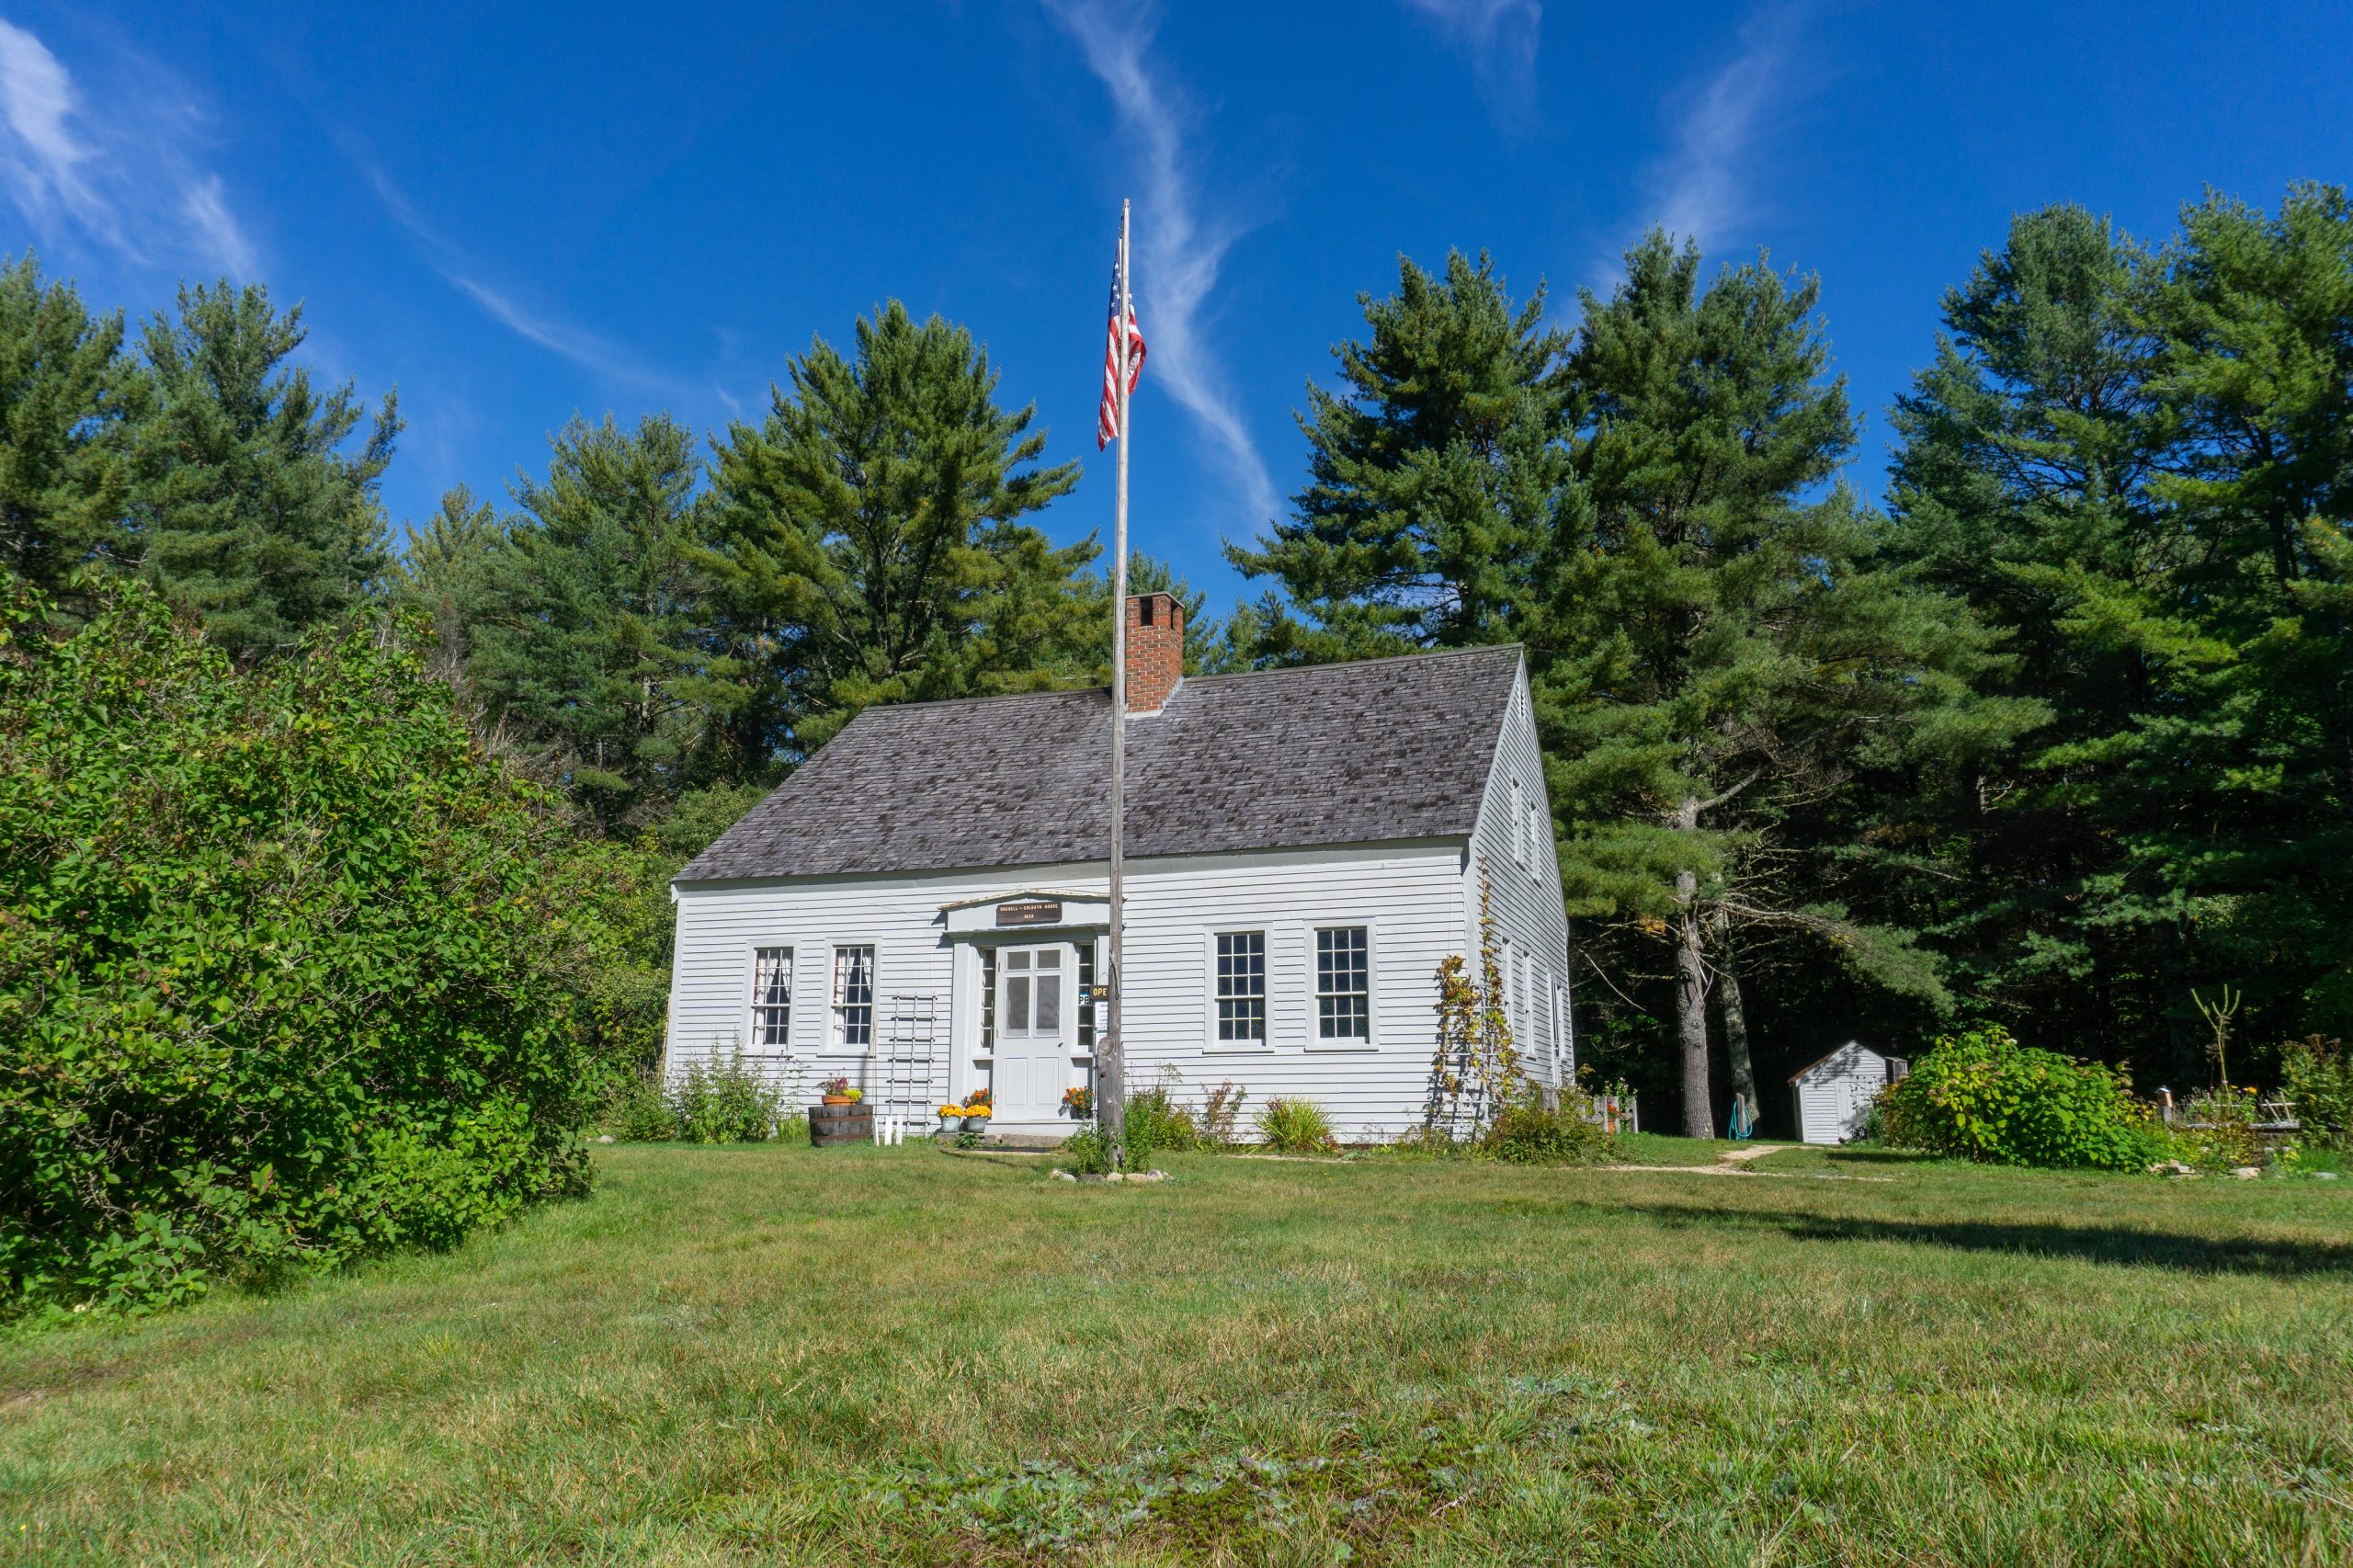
(1111, 1051)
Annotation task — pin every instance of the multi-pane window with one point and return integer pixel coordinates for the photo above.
(1242, 986)
(988, 1000)
(771, 998)
(1087, 995)
(854, 997)
(1343, 984)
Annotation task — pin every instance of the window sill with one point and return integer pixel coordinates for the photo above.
(1344, 1047)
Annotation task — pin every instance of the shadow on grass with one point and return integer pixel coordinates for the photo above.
(2092, 1244)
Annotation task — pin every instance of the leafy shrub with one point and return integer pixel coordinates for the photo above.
(1531, 1135)
(2318, 1075)
(1089, 1150)
(2216, 1132)
(724, 1102)
(639, 1112)
(1295, 1127)
(288, 965)
(1984, 1096)
(1154, 1120)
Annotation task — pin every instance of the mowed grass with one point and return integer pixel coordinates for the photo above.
(784, 1355)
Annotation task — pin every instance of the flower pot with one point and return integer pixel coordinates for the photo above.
(839, 1099)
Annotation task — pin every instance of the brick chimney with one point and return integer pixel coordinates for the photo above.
(1155, 650)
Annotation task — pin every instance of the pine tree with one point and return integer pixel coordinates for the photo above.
(67, 395)
(595, 643)
(1718, 649)
(449, 570)
(252, 512)
(870, 547)
(2133, 463)
(1436, 470)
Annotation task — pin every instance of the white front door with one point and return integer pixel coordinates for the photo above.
(1034, 1007)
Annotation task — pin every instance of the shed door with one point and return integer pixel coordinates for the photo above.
(1034, 1012)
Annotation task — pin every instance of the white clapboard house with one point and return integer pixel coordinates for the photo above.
(921, 907)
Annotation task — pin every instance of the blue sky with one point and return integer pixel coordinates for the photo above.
(518, 213)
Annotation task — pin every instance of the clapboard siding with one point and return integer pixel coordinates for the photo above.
(1409, 896)
(1834, 1094)
(1524, 898)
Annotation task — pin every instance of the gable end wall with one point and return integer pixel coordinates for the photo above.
(1524, 899)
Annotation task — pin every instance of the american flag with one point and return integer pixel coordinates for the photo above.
(1106, 414)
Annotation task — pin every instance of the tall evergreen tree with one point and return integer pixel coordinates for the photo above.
(1719, 648)
(253, 513)
(594, 644)
(66, 395)
(1435, 474)
(871, 541)
(2135, 463)
(449, 570)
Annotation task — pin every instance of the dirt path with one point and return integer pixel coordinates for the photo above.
(1735, 1163)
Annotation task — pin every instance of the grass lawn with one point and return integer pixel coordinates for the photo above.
(781, 1356)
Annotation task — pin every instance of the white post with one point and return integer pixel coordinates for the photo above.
(1110, 1055)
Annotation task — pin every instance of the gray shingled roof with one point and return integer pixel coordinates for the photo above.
(1330, 754)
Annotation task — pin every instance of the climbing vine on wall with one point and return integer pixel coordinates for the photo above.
(1475, 1069)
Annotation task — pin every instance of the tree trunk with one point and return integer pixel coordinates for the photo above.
(1691, 991)
(1743, 1073)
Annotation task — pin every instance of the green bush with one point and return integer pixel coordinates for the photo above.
(1154, 1120)
(1531, 1135)
(1295, 1127)
(2216, 1132)
(724, 1102)
(1984, 1096)
(2318, 1075)
(1090, 1151)
(289, 964)
(639, 1112)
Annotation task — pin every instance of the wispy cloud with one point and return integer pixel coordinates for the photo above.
(1708, 184)
(1500, 38)
(1178, 246)
(130, 182)
(583, 348)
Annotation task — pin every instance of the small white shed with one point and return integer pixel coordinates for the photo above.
(1833, 1094)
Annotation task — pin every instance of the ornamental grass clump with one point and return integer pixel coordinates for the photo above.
(1295, 1127)
(1984, 1096)
(291, 968)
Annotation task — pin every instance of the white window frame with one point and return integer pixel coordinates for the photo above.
(1219, 998)
(1519, 824)
(1317, 1039)
(754, 1023)
(837, 1011)
(1510, 968)
(1210, 1044)
(1556, 1033)
(1537, 835)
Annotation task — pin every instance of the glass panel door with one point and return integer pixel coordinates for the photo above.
(1031, 1057)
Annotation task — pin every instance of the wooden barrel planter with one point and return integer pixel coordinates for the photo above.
(831, 1124)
